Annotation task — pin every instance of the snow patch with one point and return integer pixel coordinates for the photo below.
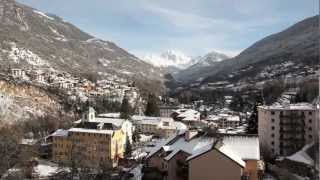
(43, 15)
(60, 36)
(104, 62)
(17, 54)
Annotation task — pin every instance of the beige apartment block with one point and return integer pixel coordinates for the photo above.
(285, 129)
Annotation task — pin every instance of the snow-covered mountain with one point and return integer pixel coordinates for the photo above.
(33, 39)
(208, 60)
(169, 58)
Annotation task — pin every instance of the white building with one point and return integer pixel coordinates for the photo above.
(18, 73)
(224, 121)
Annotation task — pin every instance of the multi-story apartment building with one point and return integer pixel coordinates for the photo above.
(285, 129)
(225, 121)
(89, 143)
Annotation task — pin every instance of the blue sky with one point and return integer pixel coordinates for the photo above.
(194, 27)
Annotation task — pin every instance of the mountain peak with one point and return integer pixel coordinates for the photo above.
(169, 58)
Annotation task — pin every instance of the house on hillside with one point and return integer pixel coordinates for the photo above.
(18, 73)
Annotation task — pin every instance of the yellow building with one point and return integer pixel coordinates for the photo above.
(89, 144)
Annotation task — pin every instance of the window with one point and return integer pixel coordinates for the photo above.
(310, 136)
(272, 135)
(310, 112)
(272, 142)
(272, 112)
(310, 128)
(272, 120)
(272, 127)
(281, 113)
(310, 120)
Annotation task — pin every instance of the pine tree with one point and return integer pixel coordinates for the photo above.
(128, 150)
(125, 109)
(152, 108)
(253, 119)
(237, 104)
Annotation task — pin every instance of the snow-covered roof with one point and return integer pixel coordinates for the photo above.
(110, 115)
(60, 133)
(227, 117)
(231, 154)
(116, 121)
(245, 147)
(298, 106)
(188, 114)
(302, 156)
(97, 131)
(180, 125)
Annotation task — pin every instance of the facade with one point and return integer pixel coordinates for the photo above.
(222, 168)
(162, 127)
(166, 111)
(285, 129)
(89, 143)
(224, 121)
(18, 73)
(198, 155)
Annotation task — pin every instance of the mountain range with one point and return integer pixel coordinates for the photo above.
(290, 53)
(174, 62)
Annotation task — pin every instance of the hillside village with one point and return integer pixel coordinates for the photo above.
(113, 87)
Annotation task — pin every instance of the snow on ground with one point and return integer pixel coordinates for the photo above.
(104, 62)
(302, 156)
(137, 174)
(45, 170)
(43, 15)
(125, 72)
(60, 36)
(17, 54)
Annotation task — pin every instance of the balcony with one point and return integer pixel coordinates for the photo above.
(295, 123)
(292, 116)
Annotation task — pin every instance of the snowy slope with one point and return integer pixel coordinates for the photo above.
(169, 58)
(207, 61)
(30, 38)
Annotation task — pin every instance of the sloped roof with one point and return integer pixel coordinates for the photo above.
(235, 146)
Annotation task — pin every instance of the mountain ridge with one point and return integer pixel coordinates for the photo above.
(31, 38)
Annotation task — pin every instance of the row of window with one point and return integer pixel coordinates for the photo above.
(281, 113)
(272, 128)
(89, 134)
(272, 142)
(310, 120)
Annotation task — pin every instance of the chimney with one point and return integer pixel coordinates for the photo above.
(189, 134)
